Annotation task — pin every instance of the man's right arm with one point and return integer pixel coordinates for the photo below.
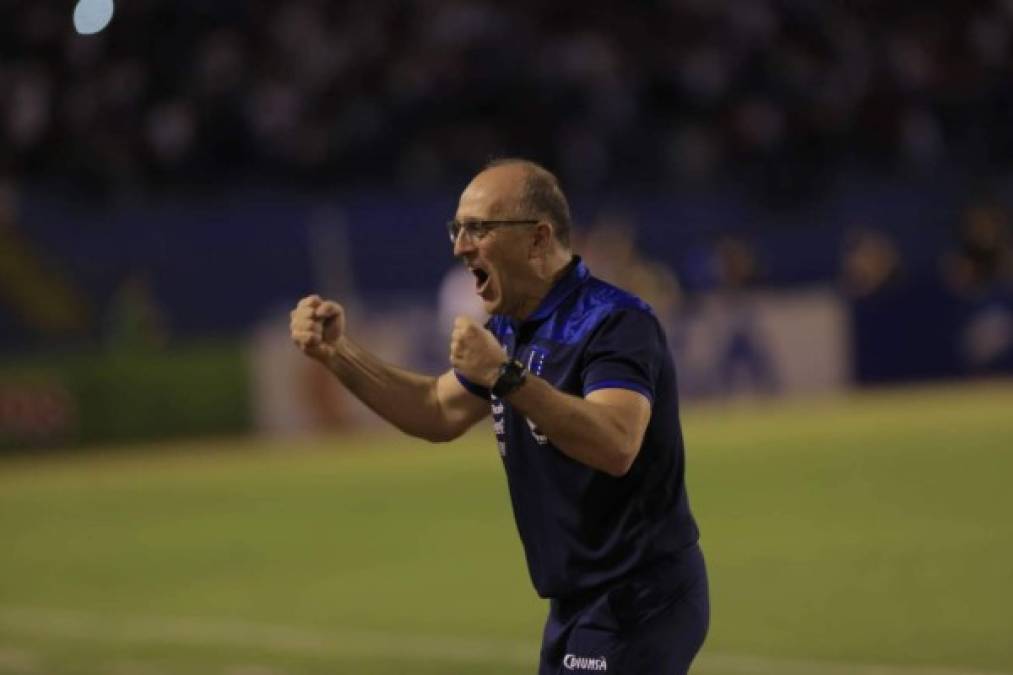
(433, 408)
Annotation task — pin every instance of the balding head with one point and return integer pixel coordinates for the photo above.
(527, 189)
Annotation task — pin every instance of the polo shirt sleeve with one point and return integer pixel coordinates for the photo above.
(625, 352)
(476, 389)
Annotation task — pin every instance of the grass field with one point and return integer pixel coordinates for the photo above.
(867, 535)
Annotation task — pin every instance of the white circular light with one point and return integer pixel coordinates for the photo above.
(91, 16)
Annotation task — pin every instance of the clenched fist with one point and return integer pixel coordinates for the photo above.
(474, 352)
(318, 327)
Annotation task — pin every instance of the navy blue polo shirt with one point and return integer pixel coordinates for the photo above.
(581, 528)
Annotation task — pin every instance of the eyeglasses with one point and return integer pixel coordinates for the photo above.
(477, 229)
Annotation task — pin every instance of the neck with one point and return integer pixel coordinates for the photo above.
(547, 273)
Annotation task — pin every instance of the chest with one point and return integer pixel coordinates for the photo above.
(518, 438)
(558, 364)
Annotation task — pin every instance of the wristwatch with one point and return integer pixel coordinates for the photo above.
(511, 376)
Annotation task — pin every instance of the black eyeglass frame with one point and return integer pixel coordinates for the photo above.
(476, 229)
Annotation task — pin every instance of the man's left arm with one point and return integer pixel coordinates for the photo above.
(603, 430)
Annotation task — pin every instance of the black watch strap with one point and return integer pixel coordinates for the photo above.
(511, 376)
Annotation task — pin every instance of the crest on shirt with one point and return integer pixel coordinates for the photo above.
(536, 360)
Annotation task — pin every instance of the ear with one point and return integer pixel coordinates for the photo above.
(541, 239)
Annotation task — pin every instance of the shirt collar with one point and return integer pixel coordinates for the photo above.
(576, 274)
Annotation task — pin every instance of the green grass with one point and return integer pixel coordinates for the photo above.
(873, 529)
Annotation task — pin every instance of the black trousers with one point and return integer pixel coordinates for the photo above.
(646, 625)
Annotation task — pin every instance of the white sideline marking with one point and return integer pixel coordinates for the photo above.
(251, 635)
(762, 665)
(189, 631)
(17, 660)
(134, 667)
(253, 670)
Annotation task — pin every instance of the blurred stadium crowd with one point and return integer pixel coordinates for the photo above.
(810, 194)
(782, 92)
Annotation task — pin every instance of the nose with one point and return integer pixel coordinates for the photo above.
(463, 244)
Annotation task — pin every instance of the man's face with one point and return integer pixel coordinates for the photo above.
(499, 260)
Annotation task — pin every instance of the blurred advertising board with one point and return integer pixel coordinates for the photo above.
(762, 343)
(110, 397)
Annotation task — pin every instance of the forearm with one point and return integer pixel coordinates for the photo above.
(405, 399)
(590, 433)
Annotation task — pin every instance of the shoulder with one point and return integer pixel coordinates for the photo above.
(610, 299)
(597, 305)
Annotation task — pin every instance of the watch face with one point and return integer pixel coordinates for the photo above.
(511, 376)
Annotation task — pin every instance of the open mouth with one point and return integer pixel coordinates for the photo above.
(481, 278)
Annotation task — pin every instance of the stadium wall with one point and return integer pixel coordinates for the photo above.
(84, 398)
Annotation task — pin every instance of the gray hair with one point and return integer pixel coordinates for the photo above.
(542, 196)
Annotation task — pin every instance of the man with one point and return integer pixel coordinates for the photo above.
(583, 397)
